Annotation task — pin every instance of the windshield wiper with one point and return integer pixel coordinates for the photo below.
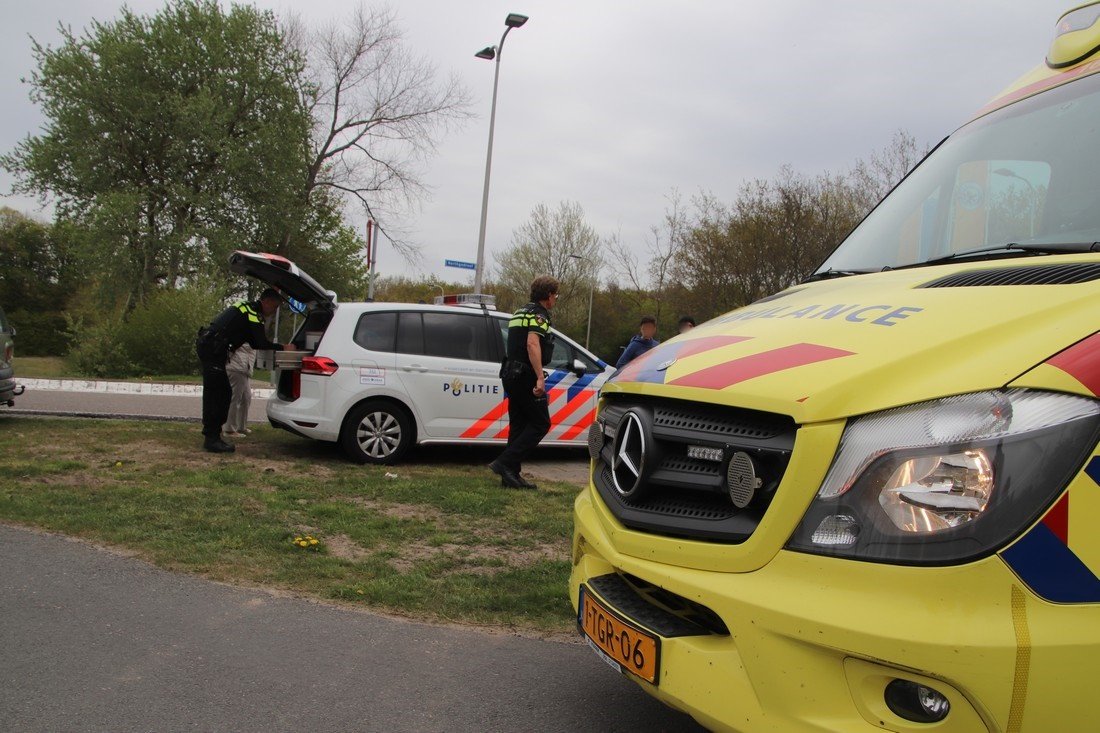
(1026, 248)
(831, 274)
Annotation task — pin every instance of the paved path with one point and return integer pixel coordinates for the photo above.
(94, 641)
(185, 404)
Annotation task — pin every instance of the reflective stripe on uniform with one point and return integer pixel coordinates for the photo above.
(529, 320)
(245, 308)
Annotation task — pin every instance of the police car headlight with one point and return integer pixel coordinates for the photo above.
(948, 480)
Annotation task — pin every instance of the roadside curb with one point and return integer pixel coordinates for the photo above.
(144, 388)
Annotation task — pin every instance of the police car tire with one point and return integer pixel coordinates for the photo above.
(377, 432)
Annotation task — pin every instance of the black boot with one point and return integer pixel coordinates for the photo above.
(509, 478)
(217, 445)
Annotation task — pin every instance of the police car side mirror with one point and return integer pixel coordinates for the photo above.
(579, 368)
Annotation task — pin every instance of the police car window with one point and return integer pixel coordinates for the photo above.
(410, 333)
(375, 331)
(562, 356)
(457, 336)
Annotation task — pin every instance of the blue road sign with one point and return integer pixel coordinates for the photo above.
(296, 305)
(461, 265)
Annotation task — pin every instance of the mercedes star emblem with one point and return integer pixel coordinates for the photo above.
(629, 460)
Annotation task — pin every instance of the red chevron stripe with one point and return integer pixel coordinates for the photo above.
(581, 425)
(570, 407)
(550, 397)
(486, 421)
(1057, 519)
(723, 375)
(1082, 362)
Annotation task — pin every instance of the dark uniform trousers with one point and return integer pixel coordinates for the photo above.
(528, 416)
(216, 396)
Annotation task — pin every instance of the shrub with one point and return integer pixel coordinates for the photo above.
(98, 351)
(159, 336)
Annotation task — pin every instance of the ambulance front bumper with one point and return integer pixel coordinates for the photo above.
(813, 642)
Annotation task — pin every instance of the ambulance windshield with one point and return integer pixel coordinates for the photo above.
(1027, 175)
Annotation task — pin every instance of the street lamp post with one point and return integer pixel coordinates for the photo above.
(588, 332)
(514, 20)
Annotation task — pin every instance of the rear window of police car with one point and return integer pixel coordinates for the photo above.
(448, 335)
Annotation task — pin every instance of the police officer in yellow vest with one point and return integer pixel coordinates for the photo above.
(234, 326)
(530, 345)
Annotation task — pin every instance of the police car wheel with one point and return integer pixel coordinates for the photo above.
(377, 432)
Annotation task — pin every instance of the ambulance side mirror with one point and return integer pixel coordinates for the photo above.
(579, 368)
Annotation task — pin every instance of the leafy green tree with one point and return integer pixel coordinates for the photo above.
(172, 139)
(39, 273)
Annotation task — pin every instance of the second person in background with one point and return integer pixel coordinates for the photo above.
(642, 342)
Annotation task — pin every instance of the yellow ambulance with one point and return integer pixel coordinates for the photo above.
(872, 501)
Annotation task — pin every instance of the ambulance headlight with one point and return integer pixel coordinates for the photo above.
(948, 480)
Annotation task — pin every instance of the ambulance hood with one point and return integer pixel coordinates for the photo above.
(862, 343)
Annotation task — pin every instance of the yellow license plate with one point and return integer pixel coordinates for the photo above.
(621, 643)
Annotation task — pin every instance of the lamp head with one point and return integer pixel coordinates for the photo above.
(489, 53)
(515, 20)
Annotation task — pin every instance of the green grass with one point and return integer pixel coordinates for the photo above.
(41, 367)
(56, 367)
(440, 542)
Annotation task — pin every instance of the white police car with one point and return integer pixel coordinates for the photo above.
(381, 377)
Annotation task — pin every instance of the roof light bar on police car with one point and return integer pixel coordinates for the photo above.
(478, 299)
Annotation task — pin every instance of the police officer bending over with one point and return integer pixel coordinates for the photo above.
(530, 345)
(234, 326)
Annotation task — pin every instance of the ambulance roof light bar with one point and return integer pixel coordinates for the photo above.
(1076, 36)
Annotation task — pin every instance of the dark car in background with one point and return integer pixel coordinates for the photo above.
(8, 388)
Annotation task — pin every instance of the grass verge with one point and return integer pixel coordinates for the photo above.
(439, 542)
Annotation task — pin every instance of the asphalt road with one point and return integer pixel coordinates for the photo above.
(95, 641)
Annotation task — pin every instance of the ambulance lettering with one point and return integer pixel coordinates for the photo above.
(876, 315)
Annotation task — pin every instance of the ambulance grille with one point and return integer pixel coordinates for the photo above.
(1069, 274)
(723, 425)
(687, 495)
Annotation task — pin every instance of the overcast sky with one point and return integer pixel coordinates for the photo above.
(613, 103)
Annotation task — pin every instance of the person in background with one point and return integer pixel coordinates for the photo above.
(641, 343)
(530, 344)
(234, 326)
(239, 368)
(686, 324)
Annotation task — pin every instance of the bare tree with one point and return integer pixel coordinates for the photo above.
(378, 112)
(543, 245)
(648, 282)
(872, 179)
